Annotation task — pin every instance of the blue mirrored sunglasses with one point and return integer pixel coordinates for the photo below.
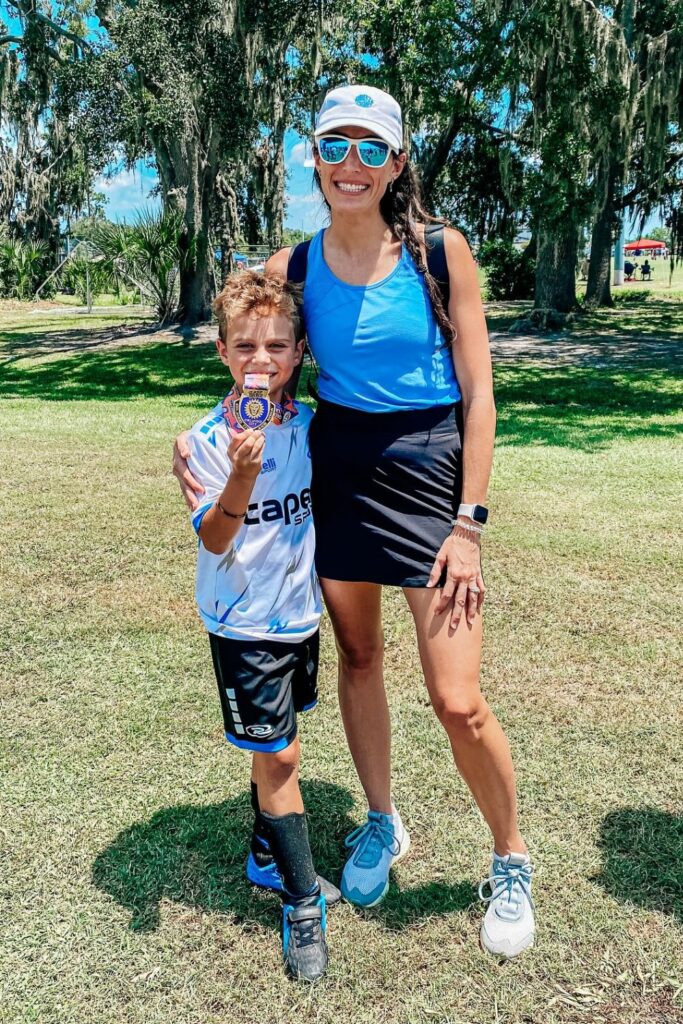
(334, 149)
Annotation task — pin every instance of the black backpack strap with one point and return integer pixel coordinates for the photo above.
(297, 266)
(436, 260)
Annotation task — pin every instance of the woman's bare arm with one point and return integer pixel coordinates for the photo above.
(460, 555)
(277, 264)
(472, 360)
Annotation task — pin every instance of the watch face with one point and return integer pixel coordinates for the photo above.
(480, 514)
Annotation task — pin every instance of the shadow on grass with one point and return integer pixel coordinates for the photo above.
(53, 335)
(643, 859)
(158, 370)
(584, 408)
(575, 406)
(195, 856)
(162, 370)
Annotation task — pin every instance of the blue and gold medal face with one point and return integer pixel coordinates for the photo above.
(254, 410)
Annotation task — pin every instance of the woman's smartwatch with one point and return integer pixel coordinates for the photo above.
(477, 513)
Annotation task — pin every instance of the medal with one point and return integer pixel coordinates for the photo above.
(254, 409)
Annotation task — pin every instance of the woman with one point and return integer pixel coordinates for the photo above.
(398, 500)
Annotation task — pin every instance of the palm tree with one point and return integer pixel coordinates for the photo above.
(147, 252)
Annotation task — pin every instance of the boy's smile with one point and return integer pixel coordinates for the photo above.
(261, 343)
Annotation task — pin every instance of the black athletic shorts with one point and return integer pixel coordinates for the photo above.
(262, 685)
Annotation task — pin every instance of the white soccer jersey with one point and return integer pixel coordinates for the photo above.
(264, 587)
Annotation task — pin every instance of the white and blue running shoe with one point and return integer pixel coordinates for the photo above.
(376, 845)
(508, 927)
(267, 876)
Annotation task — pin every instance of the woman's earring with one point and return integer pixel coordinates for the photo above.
(391, 185)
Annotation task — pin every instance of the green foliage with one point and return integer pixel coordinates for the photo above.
(88, 278)
(660, 235)
(292, 236)
(638, 298)
(509, 275)
(148, 253)
(22, 267)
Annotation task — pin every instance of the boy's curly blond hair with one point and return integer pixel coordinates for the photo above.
(252, 291)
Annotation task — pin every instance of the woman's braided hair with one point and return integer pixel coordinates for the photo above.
(402, 208)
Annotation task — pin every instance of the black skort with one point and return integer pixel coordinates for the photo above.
(385, 489)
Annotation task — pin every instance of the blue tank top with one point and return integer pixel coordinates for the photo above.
(378, 346)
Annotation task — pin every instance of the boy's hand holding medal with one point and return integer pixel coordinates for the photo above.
(245, 452)
(253, 411)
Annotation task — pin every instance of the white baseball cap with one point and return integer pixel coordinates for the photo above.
(362, 106)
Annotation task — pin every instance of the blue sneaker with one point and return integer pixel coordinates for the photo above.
(376, 845)
(268, 877)
(304, 948)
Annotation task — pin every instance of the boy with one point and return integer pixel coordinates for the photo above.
(258, 593)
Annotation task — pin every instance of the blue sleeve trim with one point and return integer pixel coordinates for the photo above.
(199, 515)
(309, 707)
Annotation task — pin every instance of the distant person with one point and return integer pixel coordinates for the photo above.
(646, 271)
(258, 593)
(629, 269)
(583, 269)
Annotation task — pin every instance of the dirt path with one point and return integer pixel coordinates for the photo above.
(569, 350)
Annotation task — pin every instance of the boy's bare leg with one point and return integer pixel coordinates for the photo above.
(303, 906)
(277, 778)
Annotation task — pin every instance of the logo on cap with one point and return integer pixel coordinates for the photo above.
(364, 100)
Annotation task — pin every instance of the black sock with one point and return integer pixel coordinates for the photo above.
(260, 848)
(288, 836)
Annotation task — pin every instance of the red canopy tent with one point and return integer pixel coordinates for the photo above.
(644, 243)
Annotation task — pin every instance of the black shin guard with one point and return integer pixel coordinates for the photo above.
(288, 837)
(260, 847)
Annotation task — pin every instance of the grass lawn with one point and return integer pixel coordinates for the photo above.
(125, 815)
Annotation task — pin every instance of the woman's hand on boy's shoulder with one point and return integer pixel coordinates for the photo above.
(191, 489)
(277, 263)
(245, 452)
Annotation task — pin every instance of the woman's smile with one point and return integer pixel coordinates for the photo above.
(349, 187)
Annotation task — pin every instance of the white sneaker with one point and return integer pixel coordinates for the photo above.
(401, 835)
(508, 926)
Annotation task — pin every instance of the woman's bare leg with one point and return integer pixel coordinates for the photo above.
(356, 614)
(451, 662)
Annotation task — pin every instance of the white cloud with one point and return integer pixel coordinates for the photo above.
(291, 197)
(297, 155)
(307, 211)
(128, 191)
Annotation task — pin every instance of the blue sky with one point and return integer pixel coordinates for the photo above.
(127, 191)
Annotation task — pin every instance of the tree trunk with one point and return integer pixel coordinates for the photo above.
(195, 287)
(187, 180)
(228, 223)
(556, 267)
(598, 290)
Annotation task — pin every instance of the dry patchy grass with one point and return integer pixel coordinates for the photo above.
(126, 817)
